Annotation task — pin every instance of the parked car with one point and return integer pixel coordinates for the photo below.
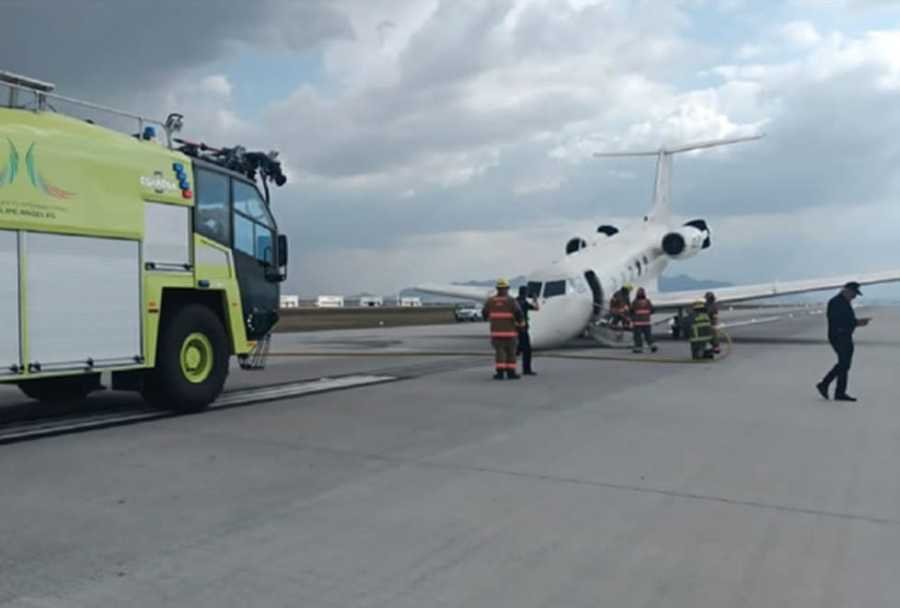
(468, 313)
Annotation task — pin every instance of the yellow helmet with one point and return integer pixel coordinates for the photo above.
(699, 305)
(502, 283)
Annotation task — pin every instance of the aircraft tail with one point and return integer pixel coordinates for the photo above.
(661, 211)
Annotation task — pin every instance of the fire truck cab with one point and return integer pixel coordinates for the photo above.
(135, 257)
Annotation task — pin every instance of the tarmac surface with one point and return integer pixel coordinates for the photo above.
(598, 483)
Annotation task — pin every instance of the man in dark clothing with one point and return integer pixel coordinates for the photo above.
(842, 322)
(524, 339)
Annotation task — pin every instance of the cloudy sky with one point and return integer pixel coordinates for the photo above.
(440, 140)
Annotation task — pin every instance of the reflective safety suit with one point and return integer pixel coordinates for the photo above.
(506, 318)
(618, 313)
(641, 312)
(712, 309)
(701, 335)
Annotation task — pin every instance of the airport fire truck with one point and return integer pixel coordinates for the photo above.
(129, 258)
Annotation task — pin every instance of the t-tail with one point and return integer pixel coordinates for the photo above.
(661, 212)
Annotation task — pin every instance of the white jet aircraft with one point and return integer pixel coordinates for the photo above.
(574, 291)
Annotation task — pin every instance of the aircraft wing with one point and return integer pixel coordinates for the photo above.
(466, 292)
(684, 299)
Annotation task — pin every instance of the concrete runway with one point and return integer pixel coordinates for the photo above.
(599, 483)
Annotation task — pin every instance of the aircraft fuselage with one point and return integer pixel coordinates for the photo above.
(568, 301)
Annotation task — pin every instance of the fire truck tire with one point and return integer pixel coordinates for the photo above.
(191, 361)
(68, 389)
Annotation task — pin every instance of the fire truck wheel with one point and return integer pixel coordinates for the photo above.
(68, 389)
(191, 361)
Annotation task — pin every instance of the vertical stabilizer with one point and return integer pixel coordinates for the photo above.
(661, 211)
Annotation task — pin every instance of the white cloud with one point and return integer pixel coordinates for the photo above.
(802, 34)
(217, 84)
(749, 51)
(427, 120)
(599, 104)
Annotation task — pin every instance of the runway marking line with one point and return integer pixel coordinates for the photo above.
(49, 427)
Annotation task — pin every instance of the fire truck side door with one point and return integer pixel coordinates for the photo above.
(255, 258)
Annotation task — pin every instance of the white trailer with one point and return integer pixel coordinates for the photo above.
(410, 302)
(289, 301)
(330, 302)
(371, 302)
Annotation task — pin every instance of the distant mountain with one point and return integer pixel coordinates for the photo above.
(683, 282)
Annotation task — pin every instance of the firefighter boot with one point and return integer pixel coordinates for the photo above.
(512, 375)
(498, 375)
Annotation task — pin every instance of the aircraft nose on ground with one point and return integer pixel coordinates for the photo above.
(558, 320)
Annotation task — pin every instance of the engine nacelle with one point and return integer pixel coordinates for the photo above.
(575, 244)
(685, 242)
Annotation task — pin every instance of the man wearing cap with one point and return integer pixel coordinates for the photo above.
(506, 318)
(842, 322)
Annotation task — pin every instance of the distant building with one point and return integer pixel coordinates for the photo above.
(410, 302)
(330, 302)
(289, 301)
(371, 301)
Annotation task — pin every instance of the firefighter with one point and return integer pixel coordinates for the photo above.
(641, 313)
(618, 312)
(506, 318)
(701, 331)
(620, 309)
(712, 309)
(625, 292)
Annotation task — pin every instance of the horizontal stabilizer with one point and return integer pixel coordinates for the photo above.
(682, 148)
(465, 292)
(662, 193)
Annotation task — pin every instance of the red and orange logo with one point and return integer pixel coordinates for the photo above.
(40, 182)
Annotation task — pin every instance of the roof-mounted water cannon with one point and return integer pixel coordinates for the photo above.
(174, 122)
(240, 160)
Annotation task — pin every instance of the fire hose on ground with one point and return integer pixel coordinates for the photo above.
(551, 354)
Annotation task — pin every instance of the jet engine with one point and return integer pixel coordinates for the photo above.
(687, 241)
(575, 244)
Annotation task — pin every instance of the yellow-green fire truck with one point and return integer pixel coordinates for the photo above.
(142, 262)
